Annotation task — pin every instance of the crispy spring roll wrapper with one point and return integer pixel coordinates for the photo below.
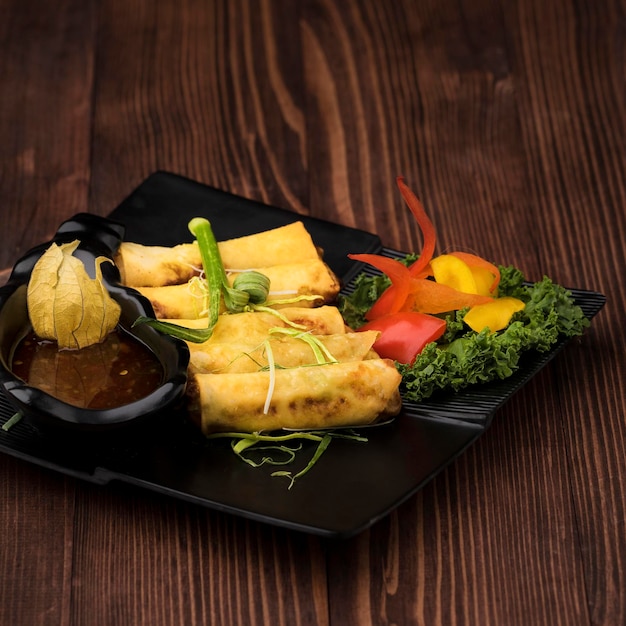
(158, 266)
(253, 328)
(285, 244)
(306, 278)
(327, 396)
(222, 358)
(186, 301)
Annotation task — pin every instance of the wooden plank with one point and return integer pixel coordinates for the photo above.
(507, 119)
(437, 111)
(166, 562)
(575, 145)
(47, 75)
(463, 113)
(208, 90)
(37, 544)
(46, 79)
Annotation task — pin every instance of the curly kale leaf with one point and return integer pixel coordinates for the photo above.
(462, 357)
(550, 314)
(367, 289)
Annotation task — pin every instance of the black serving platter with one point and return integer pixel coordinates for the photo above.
(354, 484)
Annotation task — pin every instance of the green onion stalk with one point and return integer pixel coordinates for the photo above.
(249, 288)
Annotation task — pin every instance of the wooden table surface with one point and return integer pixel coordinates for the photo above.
(508, 119)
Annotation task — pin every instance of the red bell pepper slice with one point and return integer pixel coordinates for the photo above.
(404, 335)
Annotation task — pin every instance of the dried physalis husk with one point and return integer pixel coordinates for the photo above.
(66, 305)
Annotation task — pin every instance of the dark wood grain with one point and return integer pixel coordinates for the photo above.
(201, 89)
(46, 67)
(507, 118)
(45, 118)
(209, 564)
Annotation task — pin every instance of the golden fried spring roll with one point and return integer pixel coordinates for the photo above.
(312, 277)
(158, 266)
(186, 301)
(285, 244)
(325, 396)
(286, 281)
(323, 320)
(252, 328)
(287, 351)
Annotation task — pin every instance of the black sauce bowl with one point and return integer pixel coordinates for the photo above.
(98, 237)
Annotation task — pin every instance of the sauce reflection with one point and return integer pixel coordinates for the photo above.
(115, 372)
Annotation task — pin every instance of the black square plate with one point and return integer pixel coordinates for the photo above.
(354, 484)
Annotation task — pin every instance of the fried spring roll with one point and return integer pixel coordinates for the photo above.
(159, 266)
(326, 396)
(304, 278)
(286, 351)
(308, 278)
(285, 244)
(251, 328)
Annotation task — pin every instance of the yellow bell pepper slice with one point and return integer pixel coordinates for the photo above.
(453, 272)
(483, 279)
(483, 269)
(494, 315)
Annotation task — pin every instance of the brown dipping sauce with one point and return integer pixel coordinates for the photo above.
(118, 371)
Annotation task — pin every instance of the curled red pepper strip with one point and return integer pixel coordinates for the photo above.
(426, 226)
(392, 299)
(427, 296)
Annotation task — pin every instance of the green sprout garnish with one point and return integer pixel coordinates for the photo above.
(249, 442)
(320, 351)
(12, 421)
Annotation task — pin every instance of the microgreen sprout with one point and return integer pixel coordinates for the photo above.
(272, 371)
(276, 312)
(320, 351)
(296, 299)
